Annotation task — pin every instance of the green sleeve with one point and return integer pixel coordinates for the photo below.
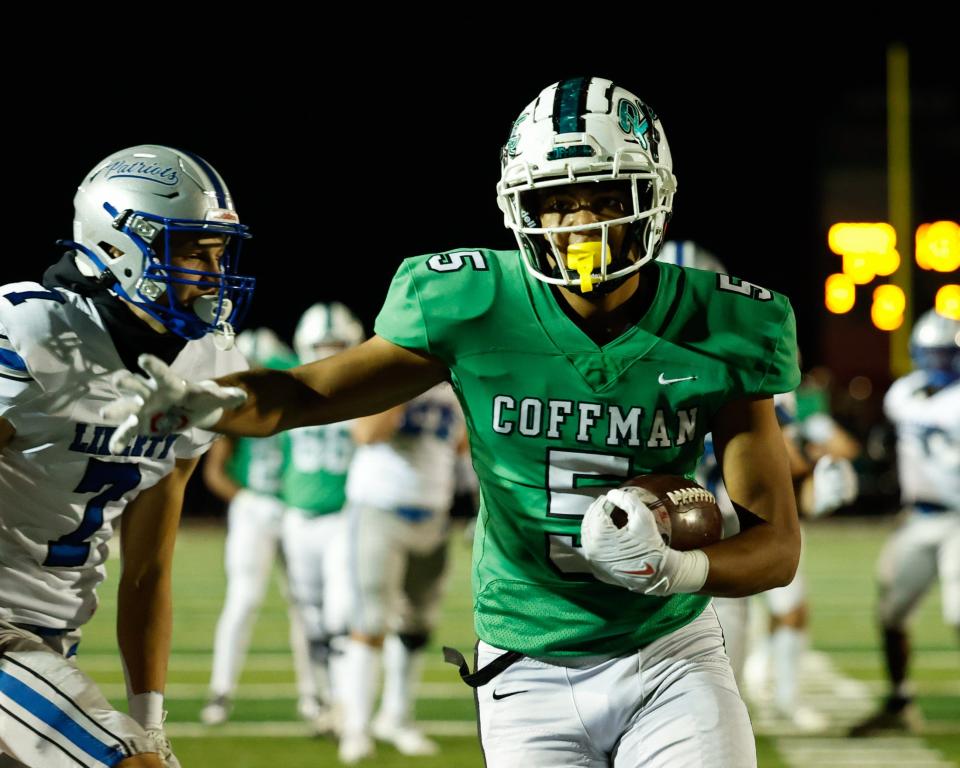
(401, 319)
(783, 372)
(439, 303)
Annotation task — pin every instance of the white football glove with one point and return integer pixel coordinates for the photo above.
(160, 744)
(162, 402)
(834, 484)
(635, 556)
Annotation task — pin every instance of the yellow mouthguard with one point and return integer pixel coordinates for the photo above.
(585, 257)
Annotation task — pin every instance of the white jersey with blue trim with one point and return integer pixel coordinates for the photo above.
(685, 253)
(785, 405)
(416, 467)
(928, 440)
(61, 489)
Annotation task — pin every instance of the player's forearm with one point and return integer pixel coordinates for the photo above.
(364, 380)
(144, 629)
(282, 400)
(764, 555)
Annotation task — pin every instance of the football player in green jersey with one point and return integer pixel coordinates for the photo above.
(246, 474)
(580, 362)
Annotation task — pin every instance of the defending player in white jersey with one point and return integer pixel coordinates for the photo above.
(152, 270)
(925, 408)
(313, 490)
(399, 493)
(246, 473)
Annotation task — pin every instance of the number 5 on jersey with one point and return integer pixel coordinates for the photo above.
(574, 480)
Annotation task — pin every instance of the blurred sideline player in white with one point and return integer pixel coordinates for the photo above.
(925, 408)
(246, 472)
(152, 269)
(399, 493)
(314, 528)
(822, 488)
(686, 253)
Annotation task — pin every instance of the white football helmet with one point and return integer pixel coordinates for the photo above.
(686, 253)
(124, 213)
(935, 347)
(324, 330)
(586, 130)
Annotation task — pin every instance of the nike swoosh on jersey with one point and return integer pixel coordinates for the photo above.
(663, 380)
(499, 696)
(647, 570)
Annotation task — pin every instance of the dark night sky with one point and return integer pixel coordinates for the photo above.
(341, 175)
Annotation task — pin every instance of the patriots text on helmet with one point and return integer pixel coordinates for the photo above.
(162, 174)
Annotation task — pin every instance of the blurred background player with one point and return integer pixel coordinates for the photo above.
(246, 474)
(400, 491)
(686, 253)
(313, 490)
(925, 408)
(819, 451)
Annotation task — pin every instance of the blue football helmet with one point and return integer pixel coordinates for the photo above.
(126, 210)
(935, 348)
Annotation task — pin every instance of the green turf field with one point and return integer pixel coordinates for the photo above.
(264, 731)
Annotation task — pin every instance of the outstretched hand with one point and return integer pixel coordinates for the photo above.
(162, 402)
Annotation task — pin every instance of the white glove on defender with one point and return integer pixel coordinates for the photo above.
(834, 485)
(162, 402)
(635, 556)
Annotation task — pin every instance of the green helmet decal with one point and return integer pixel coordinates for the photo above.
(637, 119)
(633, 121)
(511, 147)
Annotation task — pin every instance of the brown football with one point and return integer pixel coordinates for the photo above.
(687, 514)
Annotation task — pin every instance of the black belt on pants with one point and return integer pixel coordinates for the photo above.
(483, 675)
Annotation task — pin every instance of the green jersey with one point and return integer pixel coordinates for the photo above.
(315, 475)
(553, 417)
(257, 463)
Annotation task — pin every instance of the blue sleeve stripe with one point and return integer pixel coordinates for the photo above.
(783, 415)
(58, 720)
(12, 360)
